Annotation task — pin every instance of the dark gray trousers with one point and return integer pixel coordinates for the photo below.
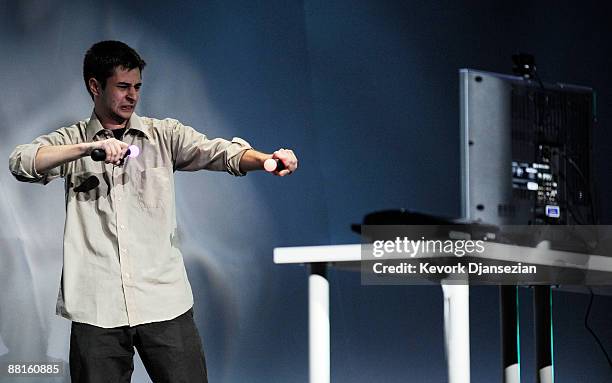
(171, 352)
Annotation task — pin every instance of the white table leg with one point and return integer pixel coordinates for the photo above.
(457, 332)
(545, 375)
(318, 329)
(512, 374)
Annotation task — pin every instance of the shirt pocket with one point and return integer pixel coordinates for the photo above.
(154, 188)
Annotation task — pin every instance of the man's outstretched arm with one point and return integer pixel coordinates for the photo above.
(192, 150)
(42, 160)
(51, 156)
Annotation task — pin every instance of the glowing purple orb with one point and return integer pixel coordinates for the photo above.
(134, 151)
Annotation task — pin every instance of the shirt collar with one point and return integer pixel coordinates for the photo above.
(94, 126)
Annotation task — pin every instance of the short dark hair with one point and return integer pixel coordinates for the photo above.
(103, 57)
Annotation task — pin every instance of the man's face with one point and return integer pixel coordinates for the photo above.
(118, 99)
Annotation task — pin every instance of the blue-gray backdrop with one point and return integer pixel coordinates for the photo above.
(366, 93)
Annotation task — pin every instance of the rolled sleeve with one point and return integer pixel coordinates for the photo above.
(22, 163)
(234, 154)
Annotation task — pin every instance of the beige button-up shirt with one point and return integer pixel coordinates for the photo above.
(122, 265)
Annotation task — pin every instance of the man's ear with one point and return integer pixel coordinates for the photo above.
(94, 86)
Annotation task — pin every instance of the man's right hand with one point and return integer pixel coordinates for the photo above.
(115, 149)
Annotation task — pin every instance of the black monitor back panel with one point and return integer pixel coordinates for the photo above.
(525, 150)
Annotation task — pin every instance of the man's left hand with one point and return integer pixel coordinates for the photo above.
(288, 158)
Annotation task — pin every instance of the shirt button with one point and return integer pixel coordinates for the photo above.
(124, 250)
(118, 198)
(122, 226)
(127, 275)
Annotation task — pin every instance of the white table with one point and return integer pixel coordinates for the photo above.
(456, 299)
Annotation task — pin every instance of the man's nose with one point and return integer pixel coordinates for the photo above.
(132, 93)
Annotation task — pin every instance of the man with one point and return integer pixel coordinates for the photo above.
(124, 283)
